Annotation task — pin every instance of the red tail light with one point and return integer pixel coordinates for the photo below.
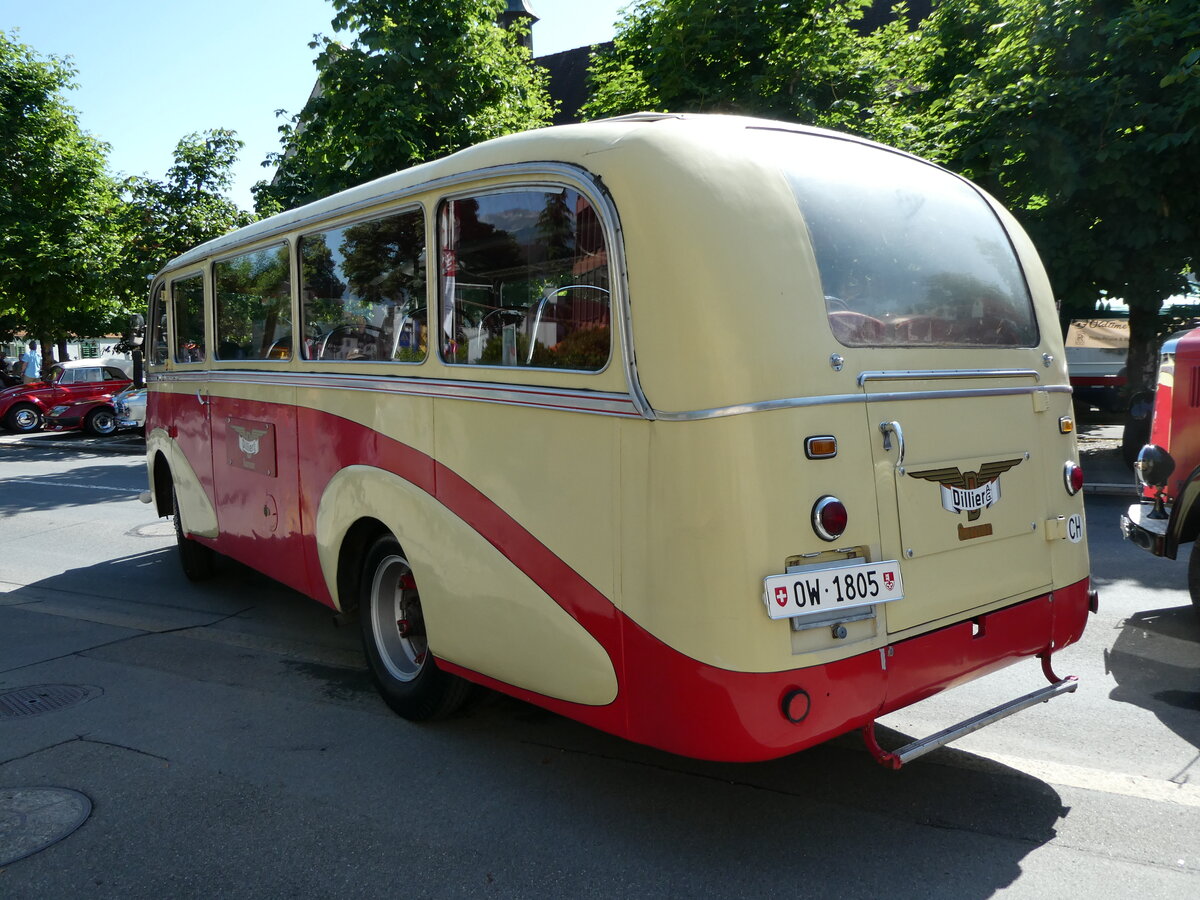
(1073, 478)
(829, 518)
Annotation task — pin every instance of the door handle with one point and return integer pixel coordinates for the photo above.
(888, 429)
(200, 398)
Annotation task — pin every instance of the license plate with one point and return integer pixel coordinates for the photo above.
(828, 588)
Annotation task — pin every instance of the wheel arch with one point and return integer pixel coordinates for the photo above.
(1185, 517)
(198, 509)
(160, 482)
(484, 612)
(352, 555)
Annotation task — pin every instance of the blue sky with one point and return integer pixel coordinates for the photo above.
(151, 71)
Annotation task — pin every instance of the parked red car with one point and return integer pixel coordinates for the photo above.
(23, 408)
(95, 415)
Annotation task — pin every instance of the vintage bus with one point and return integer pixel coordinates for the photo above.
(722, 435)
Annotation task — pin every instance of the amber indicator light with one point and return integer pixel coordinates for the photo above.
(820, 447)
(1066, 425)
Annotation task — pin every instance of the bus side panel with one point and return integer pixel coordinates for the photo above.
(177, 424)
(256, 476)
(329, 443)
(553, 472)
(484, 580)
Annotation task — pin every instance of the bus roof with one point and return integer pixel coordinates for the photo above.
(562, 143)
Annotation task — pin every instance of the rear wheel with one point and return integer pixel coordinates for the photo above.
(395, 641)
(100, 422)
(23, 418)
(196, 559)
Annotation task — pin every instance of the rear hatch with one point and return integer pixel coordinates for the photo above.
(961, 508)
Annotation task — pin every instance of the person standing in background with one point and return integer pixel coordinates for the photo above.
(33, 364)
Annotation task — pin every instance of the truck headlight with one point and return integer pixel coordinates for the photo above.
(1154, 466)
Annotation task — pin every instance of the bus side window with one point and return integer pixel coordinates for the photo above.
(362, 290)
(524, 280)
(254, 305)
(187, 298)
(156, 346)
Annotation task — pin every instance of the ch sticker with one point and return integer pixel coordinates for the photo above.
(1075, 528)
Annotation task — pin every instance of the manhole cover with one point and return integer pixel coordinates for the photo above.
(31, 819)
(42, 698)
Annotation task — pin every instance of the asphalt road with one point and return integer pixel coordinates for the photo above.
(230, 744)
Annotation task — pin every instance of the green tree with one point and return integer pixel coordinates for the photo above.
(803, 60)
(1081, 115)
(57, 204)
(162, 219)
(419, 81)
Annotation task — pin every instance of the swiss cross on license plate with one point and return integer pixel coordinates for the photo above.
(819, 589)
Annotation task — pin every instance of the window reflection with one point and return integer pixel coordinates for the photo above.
(187, 298)
(254, 306)
(909, 255)
(524, 281)
(363, 291)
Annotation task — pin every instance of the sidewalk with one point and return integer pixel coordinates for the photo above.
(1104, 469)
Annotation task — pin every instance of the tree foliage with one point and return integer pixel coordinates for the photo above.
(1082, 116)
(802, 60)
(162, 219)
(56, 205)
(419, 81)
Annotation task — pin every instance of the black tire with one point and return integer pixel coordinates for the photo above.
(196, 560)
(23, 418)
(394, 639)
(1194, 576)
(101, 422)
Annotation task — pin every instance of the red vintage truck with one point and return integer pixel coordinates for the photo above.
(1168, 467)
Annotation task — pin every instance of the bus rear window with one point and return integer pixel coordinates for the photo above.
(909, 255)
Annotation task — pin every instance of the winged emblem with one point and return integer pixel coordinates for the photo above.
(248, 438)
(969, 491)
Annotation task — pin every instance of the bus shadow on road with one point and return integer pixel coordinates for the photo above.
(828, 820)
(1156, 663)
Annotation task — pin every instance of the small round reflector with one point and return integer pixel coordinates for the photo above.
(829, 518)
(796, 704)
(1073, 478)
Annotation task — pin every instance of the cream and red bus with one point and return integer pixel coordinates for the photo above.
(723, 435)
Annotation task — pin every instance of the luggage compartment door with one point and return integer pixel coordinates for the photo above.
(966, 500)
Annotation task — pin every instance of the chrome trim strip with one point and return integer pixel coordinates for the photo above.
(597, 402)
(838, 399)
(592, 402)
(941, 374)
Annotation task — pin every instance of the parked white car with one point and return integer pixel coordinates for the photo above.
(130, 408)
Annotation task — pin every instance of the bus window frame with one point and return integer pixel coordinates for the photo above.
(375, 214)
(157, 320)
(619, 319)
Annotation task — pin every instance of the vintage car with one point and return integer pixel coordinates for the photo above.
(1168, 467)
(102, 415)
(130, 407)
(24, 407)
